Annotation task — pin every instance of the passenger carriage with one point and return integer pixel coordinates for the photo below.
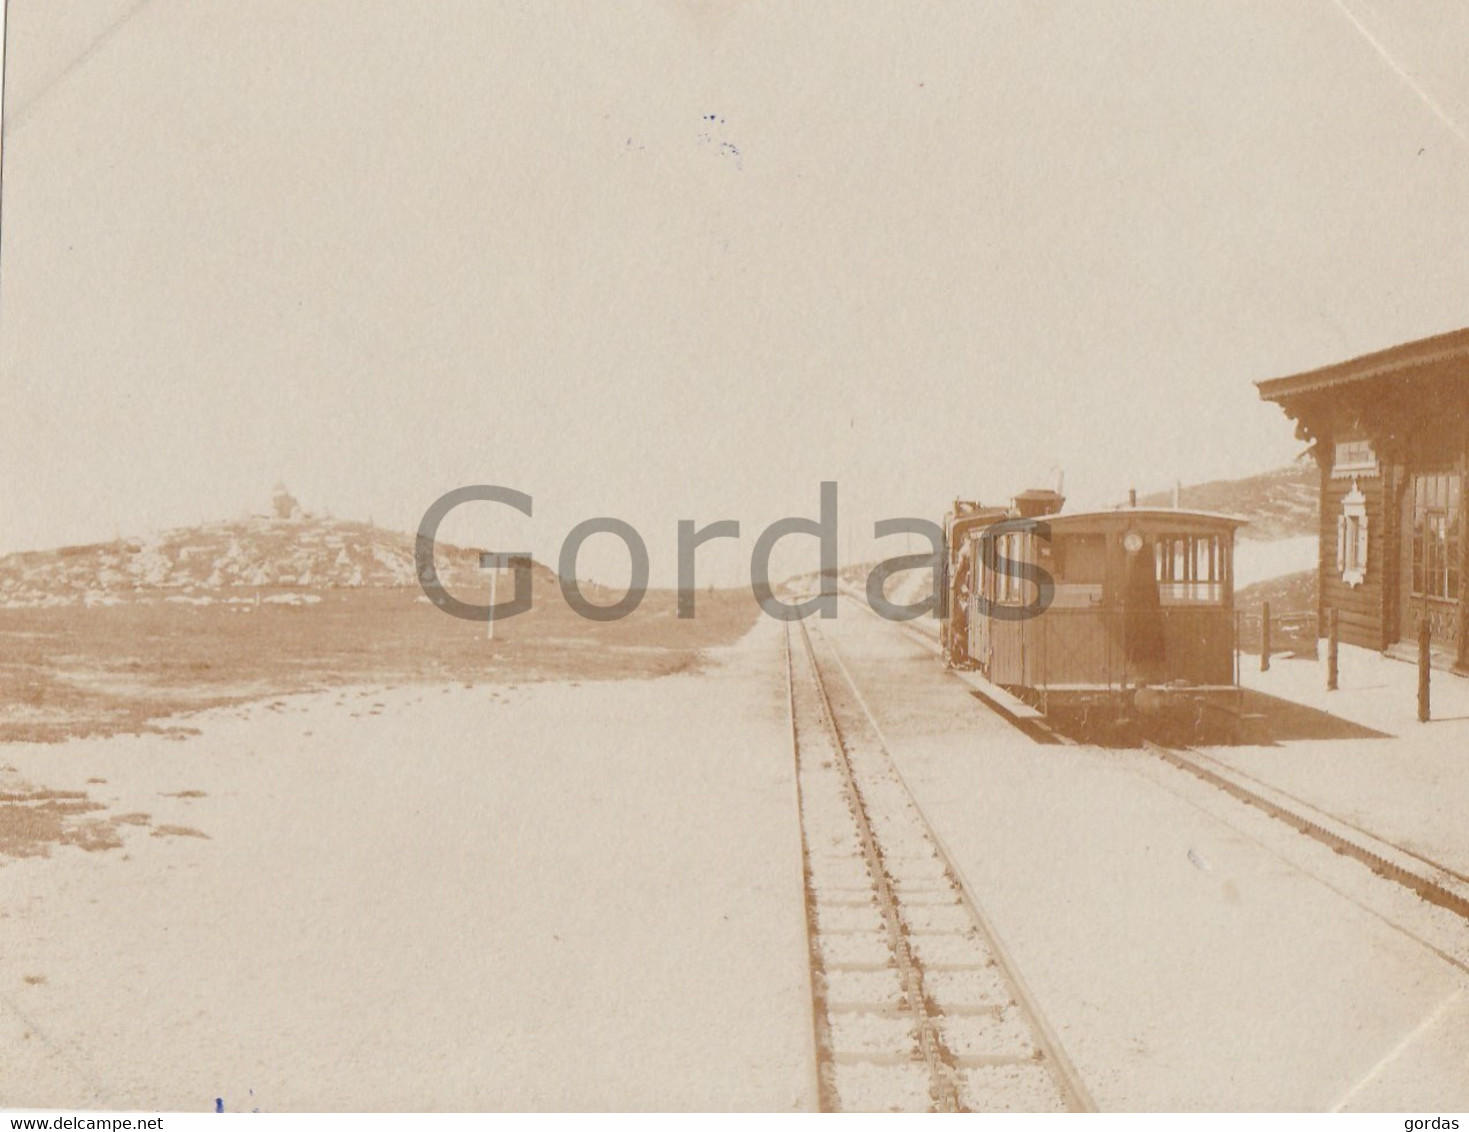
(1128, 612)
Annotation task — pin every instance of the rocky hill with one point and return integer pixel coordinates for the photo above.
(1280, 504)
(287, 560)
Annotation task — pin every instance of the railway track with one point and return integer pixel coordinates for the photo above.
(1435, 883)
(916, 1006)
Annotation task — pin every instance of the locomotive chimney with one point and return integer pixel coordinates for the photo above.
(1132, 497)
(1036, 502)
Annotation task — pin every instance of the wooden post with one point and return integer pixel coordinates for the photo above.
(1331, 650)
(1424, 638)
(1237, 615)
(1461, 650)
(1265, 637)
(494, 574)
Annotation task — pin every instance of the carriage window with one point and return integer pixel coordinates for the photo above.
(1004, 568)
(1081, 559)
(1192, 568)
(1012, 550)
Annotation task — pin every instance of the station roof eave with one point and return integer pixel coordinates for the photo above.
(1387, 395)
(1447, 353)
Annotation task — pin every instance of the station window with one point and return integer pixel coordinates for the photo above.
(1351, 537)
(1436, 536)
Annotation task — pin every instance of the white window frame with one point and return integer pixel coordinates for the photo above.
(1351, 537)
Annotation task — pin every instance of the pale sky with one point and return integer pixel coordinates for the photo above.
(686, 260)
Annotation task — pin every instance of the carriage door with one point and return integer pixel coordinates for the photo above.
(983, 587)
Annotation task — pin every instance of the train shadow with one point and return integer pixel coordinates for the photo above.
(1269, 721)
(1255, 720)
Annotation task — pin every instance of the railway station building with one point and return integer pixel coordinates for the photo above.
(1390, 434)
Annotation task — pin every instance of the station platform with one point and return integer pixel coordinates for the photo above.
(1359, 753)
